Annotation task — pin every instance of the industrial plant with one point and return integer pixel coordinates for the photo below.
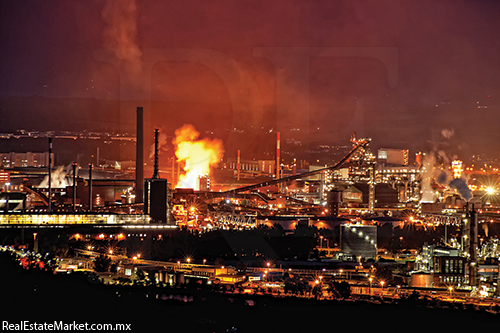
(362, 199)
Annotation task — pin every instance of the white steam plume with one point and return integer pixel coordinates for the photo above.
(447, 134)
(58, 179)
(426, 179)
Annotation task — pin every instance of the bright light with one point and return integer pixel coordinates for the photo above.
(196, 156)
(490, 190)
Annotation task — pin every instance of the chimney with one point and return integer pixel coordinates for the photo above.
(50, 176)
(139, 157)
(278, 158)
(90, 187)
(238, 165)
(75, 165)
(155, 172)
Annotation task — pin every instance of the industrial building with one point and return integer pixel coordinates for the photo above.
(446, 266)
(29, 159)
(357, 240)
(393, 157)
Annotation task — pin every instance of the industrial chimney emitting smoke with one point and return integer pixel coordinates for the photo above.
(139, 157)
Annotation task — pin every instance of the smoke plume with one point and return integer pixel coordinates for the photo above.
(443, 178)
(58, 179)
(162, 145)
(447, 134)
(461, 186)
(427, 174)
(120, 34)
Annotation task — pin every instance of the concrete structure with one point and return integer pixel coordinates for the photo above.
(358, 240)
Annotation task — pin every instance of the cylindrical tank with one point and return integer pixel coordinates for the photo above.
(333, 202)
(421, 280)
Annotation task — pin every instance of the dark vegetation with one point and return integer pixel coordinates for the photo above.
(43, 297)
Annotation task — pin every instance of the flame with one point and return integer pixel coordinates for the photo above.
(198, 156)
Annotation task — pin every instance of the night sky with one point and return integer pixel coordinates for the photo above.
(400, 72)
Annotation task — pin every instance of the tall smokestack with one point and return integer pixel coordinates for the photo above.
(74, 186)
(155, 172)
(50, 176)
(238, 165)
(278, 164)
(139, 157)
(90, 187)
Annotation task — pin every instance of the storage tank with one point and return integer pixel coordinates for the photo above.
(421, 280)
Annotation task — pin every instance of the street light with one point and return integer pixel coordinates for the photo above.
(370, 279)
(204, 261)
(450, 288)
(382, 283)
